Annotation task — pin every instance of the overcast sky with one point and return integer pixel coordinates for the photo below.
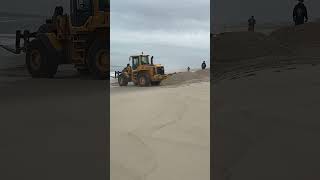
(41, 7)
(176, 33)
(231, 12)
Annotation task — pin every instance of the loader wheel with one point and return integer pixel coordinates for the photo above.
(40, 62)
(98, 60)
(143, 80)
(156, 83)
(122, 81)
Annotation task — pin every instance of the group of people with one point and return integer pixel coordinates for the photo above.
(203, 66)
(300, 16)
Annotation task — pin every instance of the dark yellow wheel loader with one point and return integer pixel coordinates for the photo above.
(142, 72)
(81, 38)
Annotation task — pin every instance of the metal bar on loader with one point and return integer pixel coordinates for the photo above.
(26, 38)
(17, 46)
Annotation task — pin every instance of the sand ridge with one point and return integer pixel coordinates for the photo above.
(287, 41)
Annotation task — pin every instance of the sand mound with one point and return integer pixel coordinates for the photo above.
(235, 46)
(298, 35)
(185, 77)
(302, 40)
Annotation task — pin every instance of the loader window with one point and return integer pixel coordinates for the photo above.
(81, 10)
(103, 5)
(144, 60)
(135, 62)
(84, 5)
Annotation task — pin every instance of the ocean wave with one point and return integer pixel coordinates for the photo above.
(6, 21)
(8, 35)
(7, 39)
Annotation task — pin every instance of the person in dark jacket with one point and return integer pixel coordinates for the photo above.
(203, 66)
(300, 13)
(251, 23)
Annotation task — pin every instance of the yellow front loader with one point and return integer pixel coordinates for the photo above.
(142, 72)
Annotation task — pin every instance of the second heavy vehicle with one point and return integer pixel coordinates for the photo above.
(81, 38)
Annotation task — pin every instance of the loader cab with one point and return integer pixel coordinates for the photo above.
(104, 5)
(139, 60)
(81, 10)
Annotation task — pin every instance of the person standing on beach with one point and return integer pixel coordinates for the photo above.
(188, 69)
(251, 24)
(300, 13)
(203, 66)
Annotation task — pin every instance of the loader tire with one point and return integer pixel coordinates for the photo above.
(143, 80)
(122, 81)
(40, 62)
(98, 60)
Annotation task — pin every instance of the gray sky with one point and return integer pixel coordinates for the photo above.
(41, 7)
(231, 12)
(176, 33)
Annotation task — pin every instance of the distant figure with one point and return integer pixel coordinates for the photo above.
(203, 66)
(251, 24)
(188, 69)
(300, 13)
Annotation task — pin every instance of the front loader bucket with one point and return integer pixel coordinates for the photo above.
(9, 49)
(17, 49)
(26, 38)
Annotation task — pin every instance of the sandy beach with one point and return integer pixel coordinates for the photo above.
(51, 128)
(265, 107)
(161, 132)
(266, 125)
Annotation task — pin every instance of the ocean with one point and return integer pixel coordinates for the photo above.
(9, 24)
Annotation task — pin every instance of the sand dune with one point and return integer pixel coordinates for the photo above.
(266, 106)
(303, 40)
(187, 77)
(236, 46)
(285, 41)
